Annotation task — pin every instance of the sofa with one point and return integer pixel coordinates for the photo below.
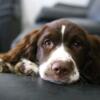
(15, 87)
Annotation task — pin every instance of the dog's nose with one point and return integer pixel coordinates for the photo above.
(61, 68)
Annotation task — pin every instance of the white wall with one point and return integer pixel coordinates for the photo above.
(30, 8)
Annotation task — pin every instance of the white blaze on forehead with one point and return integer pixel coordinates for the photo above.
(63, 27)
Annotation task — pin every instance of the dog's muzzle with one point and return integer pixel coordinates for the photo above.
(59, 68)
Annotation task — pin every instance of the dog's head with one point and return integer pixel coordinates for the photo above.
(61, 49)
(63, 52)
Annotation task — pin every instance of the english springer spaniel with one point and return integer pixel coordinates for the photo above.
(60, 51)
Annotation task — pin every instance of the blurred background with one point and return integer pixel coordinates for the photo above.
(18, 17)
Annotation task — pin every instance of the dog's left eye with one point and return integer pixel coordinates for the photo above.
(47, 43)
(76, 44)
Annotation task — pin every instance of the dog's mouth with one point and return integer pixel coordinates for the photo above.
(56, 79)
(58, 76)
(67, 79)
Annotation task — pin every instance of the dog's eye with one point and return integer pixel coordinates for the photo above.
(47, 43)
(77, 44)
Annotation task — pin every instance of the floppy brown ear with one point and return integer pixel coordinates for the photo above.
(91, 70)
(26, 48)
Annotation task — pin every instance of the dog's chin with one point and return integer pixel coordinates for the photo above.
(57, 81)
(47, 74)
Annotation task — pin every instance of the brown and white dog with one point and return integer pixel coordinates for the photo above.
(62, 52)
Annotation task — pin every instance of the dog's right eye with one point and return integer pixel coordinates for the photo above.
(47, 43)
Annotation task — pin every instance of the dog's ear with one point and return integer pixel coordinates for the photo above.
(26, 48)
(91, 69)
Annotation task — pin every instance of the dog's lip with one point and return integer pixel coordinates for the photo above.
(57, 77)
(56, 80)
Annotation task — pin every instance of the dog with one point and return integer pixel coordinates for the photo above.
(60, 51)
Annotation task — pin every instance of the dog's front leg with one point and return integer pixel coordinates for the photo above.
(26, 67)
(6, 67)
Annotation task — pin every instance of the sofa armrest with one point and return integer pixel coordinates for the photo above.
(48, 14)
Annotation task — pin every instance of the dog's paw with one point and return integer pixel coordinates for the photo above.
(26, 67)
(5, 67)
(1, 65)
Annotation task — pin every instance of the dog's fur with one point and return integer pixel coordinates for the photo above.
(62, 52)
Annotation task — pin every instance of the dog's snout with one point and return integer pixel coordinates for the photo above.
(61, 68)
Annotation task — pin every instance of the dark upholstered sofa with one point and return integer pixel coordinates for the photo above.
(10, 24)
(13, 87)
